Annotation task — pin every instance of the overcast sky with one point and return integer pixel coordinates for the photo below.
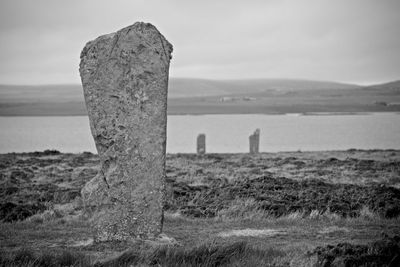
(354, 41)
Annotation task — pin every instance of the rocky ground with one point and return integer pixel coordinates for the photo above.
(316, 201)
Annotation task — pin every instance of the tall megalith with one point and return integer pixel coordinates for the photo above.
(201, 144)
(125, 82)
(254, 142)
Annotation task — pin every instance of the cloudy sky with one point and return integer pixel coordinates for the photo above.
(338, 40)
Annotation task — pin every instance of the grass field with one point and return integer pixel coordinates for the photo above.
(272, 209)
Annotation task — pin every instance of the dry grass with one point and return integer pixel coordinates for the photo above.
(207, 254)
(60, 235)
(242, 209)
(27, 257)
(248, 209)
(201, 242)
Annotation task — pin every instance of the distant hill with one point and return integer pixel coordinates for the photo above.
(178, 88)
(202, 96)
(41, 93)
(385, 87)
(184, 87)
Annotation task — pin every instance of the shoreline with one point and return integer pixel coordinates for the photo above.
(55, 151)
(46, 152)
(327, 113)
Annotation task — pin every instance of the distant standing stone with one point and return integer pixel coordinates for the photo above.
(254, 141)
(201, 144)
(125, 81)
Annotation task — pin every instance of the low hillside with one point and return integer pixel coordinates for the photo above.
(201, 96)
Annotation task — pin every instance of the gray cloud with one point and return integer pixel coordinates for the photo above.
(353, 41)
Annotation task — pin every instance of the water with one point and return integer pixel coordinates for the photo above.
(224, 133)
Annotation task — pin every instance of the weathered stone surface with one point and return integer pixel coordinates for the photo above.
(125, 80)
(201, 144)
(254, 141)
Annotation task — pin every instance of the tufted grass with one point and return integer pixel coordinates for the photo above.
(50, 242)
(27, 257)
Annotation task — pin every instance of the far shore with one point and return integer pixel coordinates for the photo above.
(232, 113)
(344, 153)
(198, 108)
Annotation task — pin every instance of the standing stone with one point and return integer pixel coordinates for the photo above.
(254, 141)
(201, 144)
(125, 82)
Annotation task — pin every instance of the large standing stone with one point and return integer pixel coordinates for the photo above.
(201, 144)
(125, 80)
(254, 142)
